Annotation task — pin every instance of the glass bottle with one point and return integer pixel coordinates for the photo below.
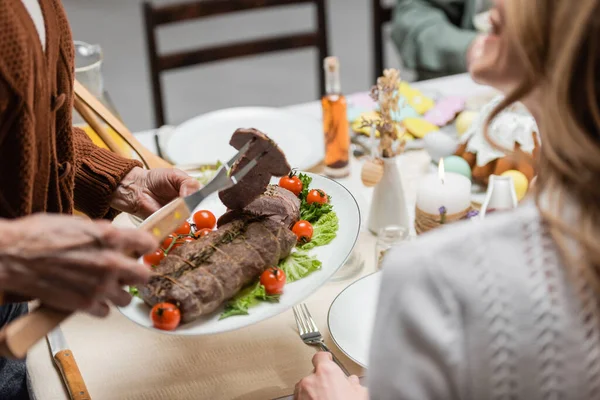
(335, 122)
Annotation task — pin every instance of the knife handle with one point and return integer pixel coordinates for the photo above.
(18, 336)
(69, 370)
(164, 221)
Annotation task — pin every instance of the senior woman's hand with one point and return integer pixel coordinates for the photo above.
(71, 263)
(328, 382)
(142, 192)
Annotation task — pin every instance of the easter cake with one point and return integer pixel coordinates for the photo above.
(513, 129)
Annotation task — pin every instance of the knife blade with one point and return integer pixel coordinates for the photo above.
(65, 361)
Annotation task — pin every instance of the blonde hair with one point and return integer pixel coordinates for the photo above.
(558, 43)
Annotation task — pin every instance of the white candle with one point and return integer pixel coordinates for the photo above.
(449, 190)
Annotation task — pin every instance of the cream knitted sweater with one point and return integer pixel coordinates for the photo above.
(485, 310)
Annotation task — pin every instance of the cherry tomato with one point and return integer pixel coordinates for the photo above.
(317, 196)
(202, 232)
(273, 279)
(204, 219)
(291, 183)
(155, 257)
(184, 229)
(167, 242)
(165, 316)
(187, 239)
(303, 230)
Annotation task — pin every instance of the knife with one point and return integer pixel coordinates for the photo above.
(65, 361)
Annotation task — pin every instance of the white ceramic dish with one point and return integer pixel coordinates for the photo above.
(205, 139)
(352, 316)
(333, 256)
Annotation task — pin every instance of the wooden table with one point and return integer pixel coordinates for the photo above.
(120, 360)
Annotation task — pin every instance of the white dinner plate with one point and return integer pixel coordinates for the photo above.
(205, 139)
(333, 256)
(352, 316)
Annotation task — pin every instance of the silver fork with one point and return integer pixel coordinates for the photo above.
(309, 333)
(223, 179)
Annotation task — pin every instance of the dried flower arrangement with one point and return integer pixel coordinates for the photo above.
(386, 94)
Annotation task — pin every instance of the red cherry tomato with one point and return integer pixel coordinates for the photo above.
(202, 232)
(165, 316)
(167, 242)
(204, 219)
(303, 230)
(291, 183)
(317, 196)
(187, 239)
(273, 279)
(155, 257)
(184, 229)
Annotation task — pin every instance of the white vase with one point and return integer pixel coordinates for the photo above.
(388, 206)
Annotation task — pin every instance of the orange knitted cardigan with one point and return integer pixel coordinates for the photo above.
(45, 164)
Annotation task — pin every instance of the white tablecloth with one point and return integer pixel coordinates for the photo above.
(116, 357)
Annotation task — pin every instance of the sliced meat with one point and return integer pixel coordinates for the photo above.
(256, 181)
(275, 203)
(201, 275)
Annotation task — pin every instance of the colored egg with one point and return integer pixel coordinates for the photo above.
(464, 121)
(415, 98)
(418, 127)
(458, 165)
(439, 145)
(520, 181)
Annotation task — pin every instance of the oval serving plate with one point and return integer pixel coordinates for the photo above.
(333, 256)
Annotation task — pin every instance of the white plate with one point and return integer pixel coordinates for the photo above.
(352, 316)
(205, 139)
(333, 256)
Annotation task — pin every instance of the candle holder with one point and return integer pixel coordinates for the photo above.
(424, 222)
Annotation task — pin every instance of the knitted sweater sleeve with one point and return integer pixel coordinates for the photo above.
(417, 348)
(97, 175)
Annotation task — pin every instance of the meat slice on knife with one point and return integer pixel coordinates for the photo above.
(256, 181)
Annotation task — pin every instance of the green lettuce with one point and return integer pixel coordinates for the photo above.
(134, 291)
(306, 181)
(247, 298)
(325, 230)
(298, 265)
(311, 212)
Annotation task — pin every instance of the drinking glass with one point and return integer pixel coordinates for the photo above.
(389, 237)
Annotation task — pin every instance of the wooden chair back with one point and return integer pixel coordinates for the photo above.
(156, 16)
(382, 14)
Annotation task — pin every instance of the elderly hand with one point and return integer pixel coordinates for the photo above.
(328, 382)
(71, 263)
(142, 192)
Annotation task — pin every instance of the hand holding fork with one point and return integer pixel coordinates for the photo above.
(310, 333)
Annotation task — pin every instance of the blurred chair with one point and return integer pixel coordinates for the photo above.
(382, 14)
(155, 16)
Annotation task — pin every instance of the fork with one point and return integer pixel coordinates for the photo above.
(309, 333)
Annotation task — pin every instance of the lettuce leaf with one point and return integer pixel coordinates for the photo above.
(311, 212)
(306, 181)
(298, 265)
(247, 298)
(325, 230)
